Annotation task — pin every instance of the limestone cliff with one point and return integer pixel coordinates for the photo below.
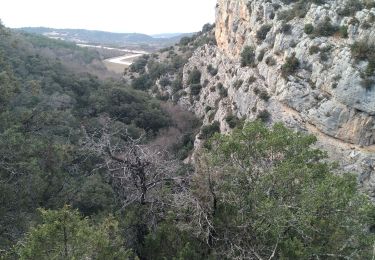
(303, 71)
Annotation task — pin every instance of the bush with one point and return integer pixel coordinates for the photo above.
(139, 64)
(351, 7)
(252, 79)
(284, 195)
(286, 28)
(264, 115)
(232, 121)
(164, 81)
(264, 95)
(309, 28)
(299, 10)
(270, 61)
(290, 66)
(223, 92)
(195, 89)
(248, 57)
(209, 130)
(343, 30)
(213, 71)
(263, 31)
(314, 50)
(362, 50)
(194, 77)
(142, 83)
(325, 29)
(186, 40)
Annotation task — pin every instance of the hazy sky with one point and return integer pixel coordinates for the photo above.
(143, 16)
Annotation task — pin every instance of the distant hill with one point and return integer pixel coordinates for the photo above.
(106, 38)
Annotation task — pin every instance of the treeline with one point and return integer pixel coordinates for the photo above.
(92, 169)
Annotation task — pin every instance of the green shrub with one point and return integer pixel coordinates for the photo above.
(286, 28)
(164, 81)
(325, 28)
(248, 57)
(298, 10)
(309, 28)
(263, 31)
(213, 71)
(252, 79)
(177, 84)
(270, 61)
(264, 95)
(195, 89)
(209, 130)
(314, 50)
(186, 40)
(207, 109)
(194, 77)
(143, 82)
(350, 8)
(139, 64)
(362, 50)
(290, 66)
(343, 30)
(223, 92)
(232, 121)
(264, 115)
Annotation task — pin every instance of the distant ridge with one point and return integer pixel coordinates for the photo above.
(107, 38)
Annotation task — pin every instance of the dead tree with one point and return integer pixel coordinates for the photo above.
(139, 173)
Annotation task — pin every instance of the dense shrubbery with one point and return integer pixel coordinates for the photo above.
(194, 77)
(290, 66)
(209, 130)
(263, 31)
(248, 57)
(44, 108)
(267, 193)
(364, 51)
(257, 193)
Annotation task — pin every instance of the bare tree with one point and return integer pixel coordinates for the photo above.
(139, 173)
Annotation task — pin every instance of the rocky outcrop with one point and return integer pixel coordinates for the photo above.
(324, 95)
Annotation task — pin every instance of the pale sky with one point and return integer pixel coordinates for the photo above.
(128, 16)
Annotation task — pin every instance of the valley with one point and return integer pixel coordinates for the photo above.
(117, 64)
(253, 138)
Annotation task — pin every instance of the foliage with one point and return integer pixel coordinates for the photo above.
(309, 28)
(325, 28)
(290, 66)
(264, 115)
(209, 130)
(195, 89)
(266, 193)
(263, 31)
(213, 71)
(43, 108)
(351, 7)
(248, 56)
(233, 121)
(139, 64)
(64, 234)
(194, 77)
(223, 92)
(364, 51)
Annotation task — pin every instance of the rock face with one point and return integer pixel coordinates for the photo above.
(324, 95)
